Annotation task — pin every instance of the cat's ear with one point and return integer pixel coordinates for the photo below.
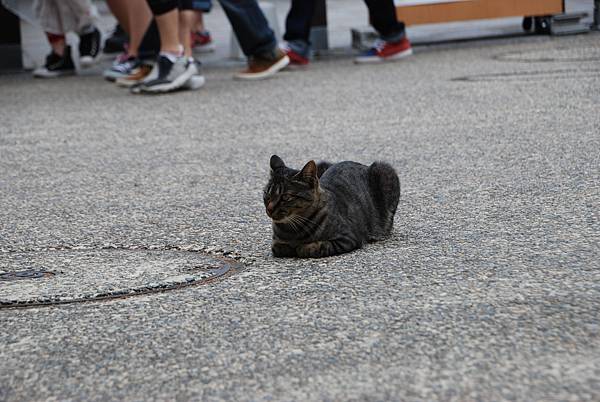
(276, 162)
(309, 172)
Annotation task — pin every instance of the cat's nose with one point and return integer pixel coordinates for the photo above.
(270, 208)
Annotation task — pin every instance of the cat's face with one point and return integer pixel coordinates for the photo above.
(290, 192)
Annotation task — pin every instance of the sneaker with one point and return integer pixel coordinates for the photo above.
(195, 82)
(121, 68)
(385, 51)
(89, 47)
(167, 75)
(121, 57)
(136, 76)
(56, 65)
(116, 42)
(260, 68)
(202, 41)
(296, 59)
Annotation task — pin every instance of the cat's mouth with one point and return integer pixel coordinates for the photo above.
(280, 219)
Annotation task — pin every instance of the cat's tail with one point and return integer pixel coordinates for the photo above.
(385, 188)
(322, 166)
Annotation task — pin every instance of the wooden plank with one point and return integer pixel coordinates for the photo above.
(476, 9)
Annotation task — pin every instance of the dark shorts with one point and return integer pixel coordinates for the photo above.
(200, 5)
(160, 7)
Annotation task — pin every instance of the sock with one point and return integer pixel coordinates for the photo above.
(173, 56)
(53, 38)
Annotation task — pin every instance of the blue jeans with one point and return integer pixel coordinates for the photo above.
(251, 27)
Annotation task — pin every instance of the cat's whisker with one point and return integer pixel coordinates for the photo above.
(295, 223)
(304, 219)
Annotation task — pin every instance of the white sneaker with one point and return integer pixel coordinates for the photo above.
(171, 75)
(195, 82)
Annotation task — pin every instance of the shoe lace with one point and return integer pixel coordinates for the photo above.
(120, 59)
(379, 44)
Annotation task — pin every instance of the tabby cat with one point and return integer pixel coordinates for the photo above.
(327, 209)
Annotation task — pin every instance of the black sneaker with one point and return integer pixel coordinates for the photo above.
(116, 42)
(167, 76)
(89, 47)
(56, 65)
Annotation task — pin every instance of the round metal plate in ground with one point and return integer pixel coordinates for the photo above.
(525, 76)
(571, 54)
(33, 278)
(21, 275)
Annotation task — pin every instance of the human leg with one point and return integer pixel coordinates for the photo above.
(59, 61)
(187, 21)
(393, 44)
(119, 9)
(250, 26)
(297, 30)
(201, 38)
(136, 16)
(382, 14)
(256, 39)
(172, 69)
(139, 17)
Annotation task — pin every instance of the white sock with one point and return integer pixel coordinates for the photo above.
(173, 56)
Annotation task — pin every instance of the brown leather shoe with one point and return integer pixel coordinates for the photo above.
(260, 68)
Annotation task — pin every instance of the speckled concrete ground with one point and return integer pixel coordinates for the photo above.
(489, 288)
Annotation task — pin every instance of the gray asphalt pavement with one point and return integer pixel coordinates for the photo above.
(488, 290)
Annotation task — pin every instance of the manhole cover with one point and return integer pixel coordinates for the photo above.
(20, 275)
(68, 276)
(524, 76)
(572, 54)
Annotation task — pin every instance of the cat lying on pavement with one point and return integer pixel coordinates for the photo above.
(326, 209)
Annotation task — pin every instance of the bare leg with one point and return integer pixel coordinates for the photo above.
(139, 18)
(57, 43)
(186, 23)
(135, 17)
(168, 27)
(119, 9)
(199, 25)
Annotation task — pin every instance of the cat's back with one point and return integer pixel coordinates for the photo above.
(346, 174)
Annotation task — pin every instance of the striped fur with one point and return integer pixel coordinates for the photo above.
(327, 209)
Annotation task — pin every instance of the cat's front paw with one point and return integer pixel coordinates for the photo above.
(310, 250)
(283, 250)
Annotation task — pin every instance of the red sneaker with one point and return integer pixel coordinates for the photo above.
(296, 60)
(385, 51)
(202, 41)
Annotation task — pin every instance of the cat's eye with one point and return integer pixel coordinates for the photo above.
(286, 197)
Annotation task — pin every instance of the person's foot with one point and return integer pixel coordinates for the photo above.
(56, 65)
(260, 67)
(195, 82)
(122, 67)
(89, 47)
(385, 51)
(202, 42)
(296, 59)
(167, 75)
(116, 42)
(137, 75)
